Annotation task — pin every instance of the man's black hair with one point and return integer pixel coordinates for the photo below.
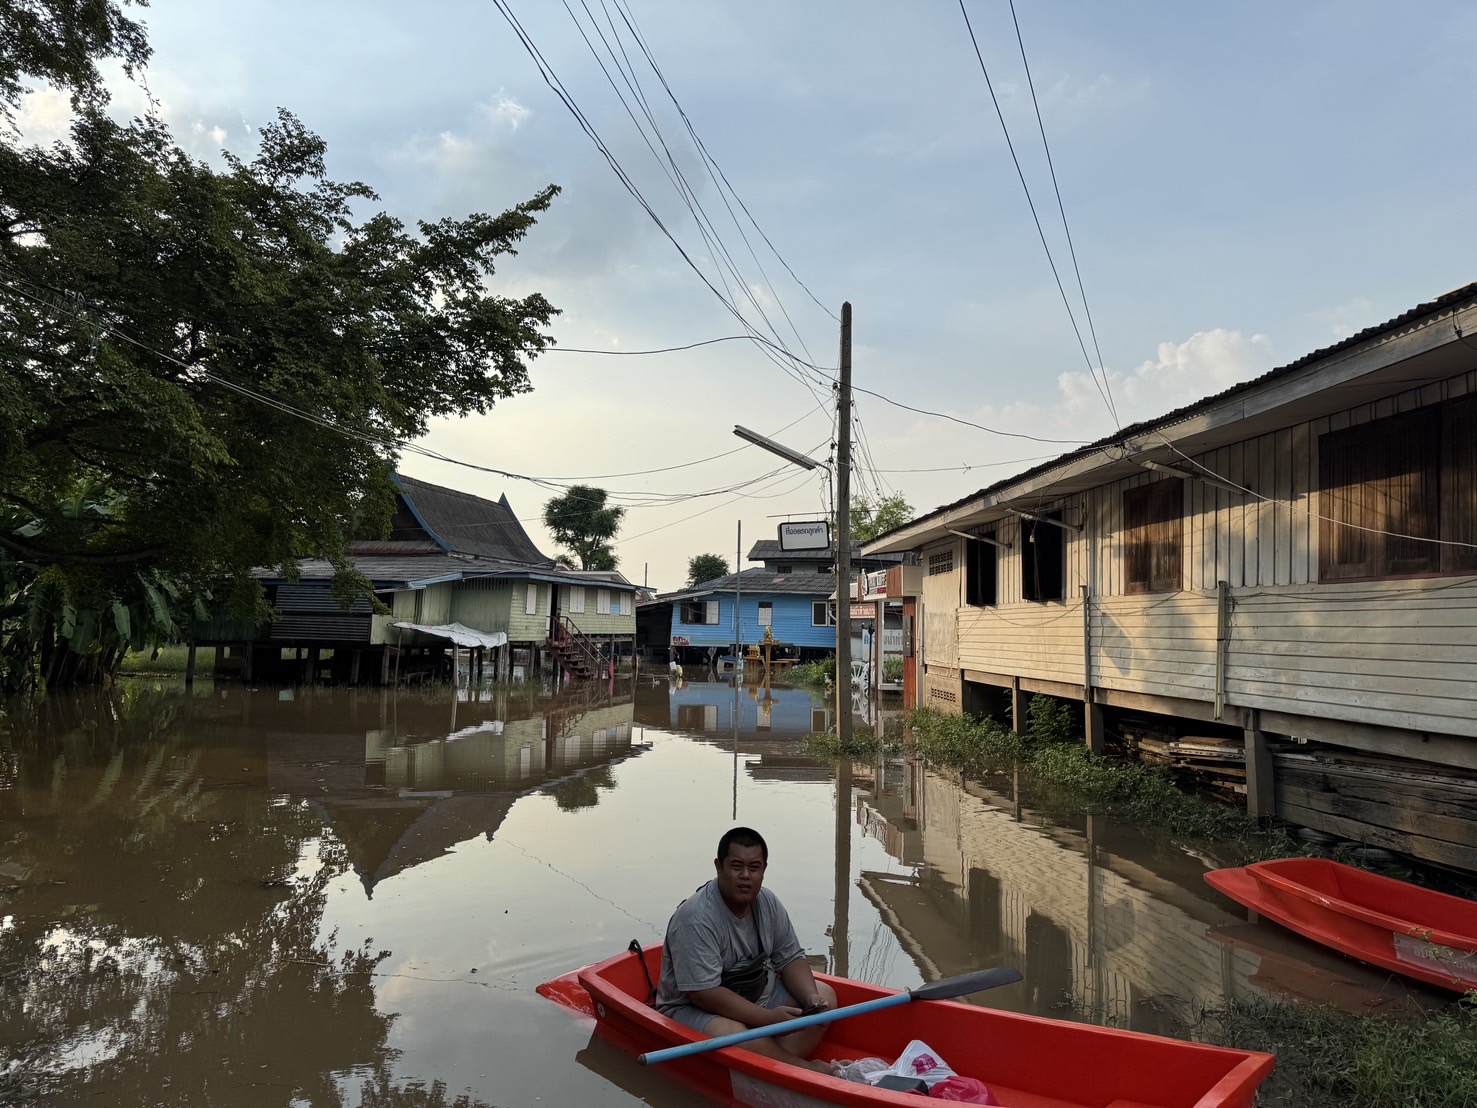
(742, 836)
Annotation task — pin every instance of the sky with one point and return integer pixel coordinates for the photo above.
(1243, 183)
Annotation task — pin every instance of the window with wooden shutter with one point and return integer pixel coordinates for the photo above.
(1153, 536)
(577, 600)
(1379, 494)
(712, 619)
(530, 599)
(766, 613)
(602, 602)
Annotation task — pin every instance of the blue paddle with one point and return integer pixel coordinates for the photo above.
(946, 989)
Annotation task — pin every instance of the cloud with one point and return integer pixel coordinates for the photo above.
(506, 111)
(1206, 363)
(45, 116)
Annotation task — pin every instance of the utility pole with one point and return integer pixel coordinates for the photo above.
(843, 535)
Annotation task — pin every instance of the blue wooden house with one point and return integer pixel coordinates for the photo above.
(789, 596)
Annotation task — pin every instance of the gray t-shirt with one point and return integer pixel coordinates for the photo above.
(704, 939)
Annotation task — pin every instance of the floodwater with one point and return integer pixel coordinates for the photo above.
(233, 896)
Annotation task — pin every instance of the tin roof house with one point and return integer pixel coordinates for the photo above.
(456, 571)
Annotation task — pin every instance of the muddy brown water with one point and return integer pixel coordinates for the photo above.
(232, 896)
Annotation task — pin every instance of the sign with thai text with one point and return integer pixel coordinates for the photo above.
(815, 535)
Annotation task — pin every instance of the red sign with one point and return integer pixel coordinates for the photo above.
(864, 611)
(681, 640)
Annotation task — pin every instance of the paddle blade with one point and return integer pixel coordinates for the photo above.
(967, 983)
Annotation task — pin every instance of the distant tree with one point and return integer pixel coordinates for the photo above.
(705, 567)
(581, 521)
(872, 518)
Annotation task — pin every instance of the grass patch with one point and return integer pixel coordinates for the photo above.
(168, 660)
(1326, 1057)
(813, 674)
(864, 746)
(1058, 766)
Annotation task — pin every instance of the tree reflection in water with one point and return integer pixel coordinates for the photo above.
(197, 970)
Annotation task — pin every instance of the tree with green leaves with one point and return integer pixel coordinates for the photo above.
(705, 567)
(204, 371)
(581, 520)
(871, 518)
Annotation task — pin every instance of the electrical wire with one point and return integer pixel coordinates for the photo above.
(1031, 203)
(1066, 227)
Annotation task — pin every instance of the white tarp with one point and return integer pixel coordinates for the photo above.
(459, 634)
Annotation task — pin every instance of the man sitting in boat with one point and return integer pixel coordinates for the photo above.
(732, 961)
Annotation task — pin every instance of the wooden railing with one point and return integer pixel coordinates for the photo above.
(569, 634)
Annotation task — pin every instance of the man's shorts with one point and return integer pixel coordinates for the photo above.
(690, 1015)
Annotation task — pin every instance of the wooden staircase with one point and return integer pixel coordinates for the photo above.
(574, 651)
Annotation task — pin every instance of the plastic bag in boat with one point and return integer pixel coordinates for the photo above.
(918, 1059)
(963, 1090)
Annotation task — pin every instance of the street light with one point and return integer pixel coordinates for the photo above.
(794, 457)
(843, 583)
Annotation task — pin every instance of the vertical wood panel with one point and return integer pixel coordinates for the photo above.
(1236, 514)
(1282, 497)
(1267, 513)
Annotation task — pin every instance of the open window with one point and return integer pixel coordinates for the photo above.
(1043, 559)
(1398, 496)
(1153, 536)
(700, 612)
(981, 573)
(766, 613)
(822, 613)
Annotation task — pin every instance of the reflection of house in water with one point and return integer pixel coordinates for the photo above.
(1108, 929)
(703, 707)
(411, 789)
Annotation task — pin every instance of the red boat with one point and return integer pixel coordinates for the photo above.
(1026, 1061)
(1388, 923)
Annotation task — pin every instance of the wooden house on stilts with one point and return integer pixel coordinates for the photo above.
(1286, 571)
(462, 580)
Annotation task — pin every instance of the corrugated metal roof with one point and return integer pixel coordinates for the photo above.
(768, 550)
(761, 581)
(389, 571)
(1430, 307)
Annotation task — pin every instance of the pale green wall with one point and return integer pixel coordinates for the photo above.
(590, 621)
(521, 626)
(483, 605)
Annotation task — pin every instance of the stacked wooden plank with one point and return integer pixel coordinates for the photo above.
(1220, 762)
(1428, 812)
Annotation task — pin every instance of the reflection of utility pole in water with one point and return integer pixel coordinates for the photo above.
(1096, 947)
(841, 925)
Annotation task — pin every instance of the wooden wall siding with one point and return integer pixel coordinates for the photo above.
(523, 627)
(594, 623)
(1161, 644)
(483, 605)
(1025, 639)
(1392, 653)
(791, 617)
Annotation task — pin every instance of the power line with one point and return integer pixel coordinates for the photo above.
(556, 85)
(1072, 318)
(968, 423)
(637, 498)
(1066, 228)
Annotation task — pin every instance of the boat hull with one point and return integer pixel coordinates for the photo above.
(1392, 924)
(1027, 1062)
